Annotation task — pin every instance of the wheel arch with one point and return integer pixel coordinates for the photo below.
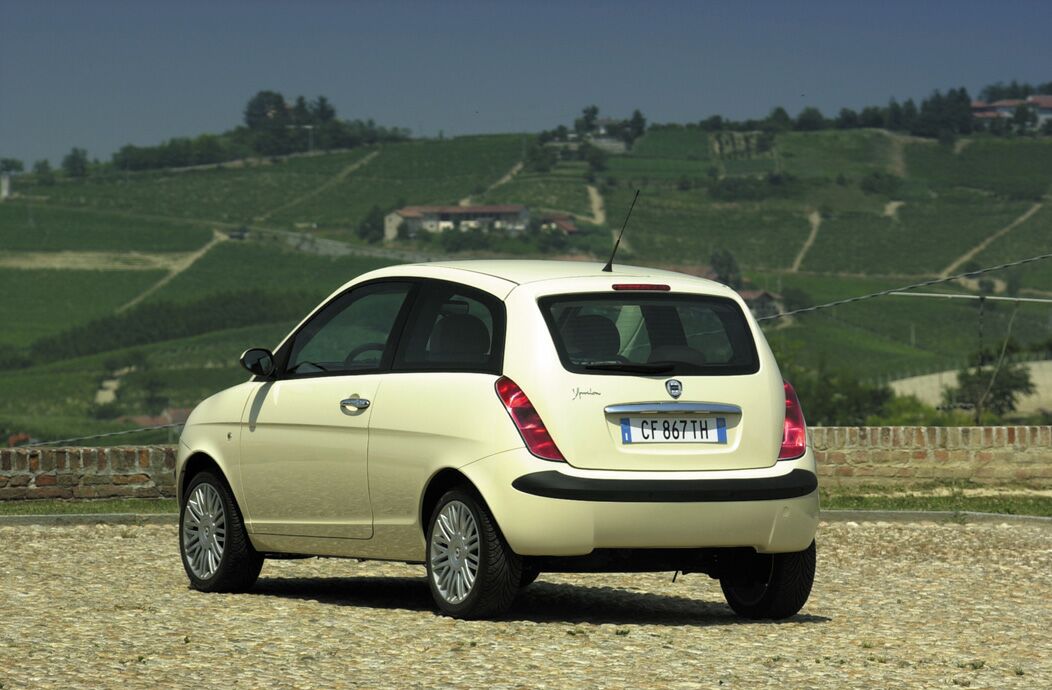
(195, 464)
(441, 482)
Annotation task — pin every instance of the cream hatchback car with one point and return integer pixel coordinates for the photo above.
(493, 420)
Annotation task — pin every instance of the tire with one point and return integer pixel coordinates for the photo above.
(529, 574)
(772, 586)
(213, 544)
(471, 570)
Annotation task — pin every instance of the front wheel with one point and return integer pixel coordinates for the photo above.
(471, 570)
(770, 585)
(213, 543)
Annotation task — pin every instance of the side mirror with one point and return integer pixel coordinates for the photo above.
(259, 361)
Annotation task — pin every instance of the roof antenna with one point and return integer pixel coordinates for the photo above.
(610, 264)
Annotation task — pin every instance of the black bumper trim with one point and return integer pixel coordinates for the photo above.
(553, 484)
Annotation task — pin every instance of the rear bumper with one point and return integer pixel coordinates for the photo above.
(552, 484)
(552, 509)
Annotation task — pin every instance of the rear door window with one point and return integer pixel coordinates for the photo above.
(659, 334)
(452, 327)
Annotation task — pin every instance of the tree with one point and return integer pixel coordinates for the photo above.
(44, 175)
(371, 228)
(847, 119)
(810, 119)
(779, 120)
(11, 165)
(996, 388)
(589, 116)
(637, 125)
(725, 266)
(266, 110)
(301, 114)
(872, 117)
(540, 158)
(714, 123)
(1023, 118)
(795, 298)
(594, 156)
(909, 114)
(893, 116)
(75, 164)
(322, 111)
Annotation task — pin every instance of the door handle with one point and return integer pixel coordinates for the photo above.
(356, 403)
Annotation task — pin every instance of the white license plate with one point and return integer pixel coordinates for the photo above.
(661, 429)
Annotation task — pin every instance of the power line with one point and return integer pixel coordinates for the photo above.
(88, 438)
(926, 283)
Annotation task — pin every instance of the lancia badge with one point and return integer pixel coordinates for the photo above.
(674, 387)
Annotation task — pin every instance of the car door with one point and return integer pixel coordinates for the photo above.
(305, 435)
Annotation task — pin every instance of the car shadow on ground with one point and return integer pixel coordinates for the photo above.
(541, 602)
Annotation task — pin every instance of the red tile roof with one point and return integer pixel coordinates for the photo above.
(1040, 101)
(1008, 103)
(495, 209)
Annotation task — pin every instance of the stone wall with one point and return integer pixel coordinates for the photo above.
(1020, 455)
(906, 455)
(122, 472)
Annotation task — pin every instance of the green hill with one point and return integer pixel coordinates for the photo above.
(821, 216)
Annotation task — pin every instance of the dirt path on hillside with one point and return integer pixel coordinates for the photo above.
(92, 261)
(891, 209)
(960, 145)
(595, 199)
(815, 219)
(177, 267)
(508, 177)
(336, 179)
(977, 249)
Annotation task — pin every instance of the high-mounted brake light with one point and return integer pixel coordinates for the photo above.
(642, 286)
(527, 421)
(794, 431)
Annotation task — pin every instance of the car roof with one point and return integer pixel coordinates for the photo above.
(521, 271)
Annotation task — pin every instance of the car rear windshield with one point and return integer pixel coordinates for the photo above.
(650, 334)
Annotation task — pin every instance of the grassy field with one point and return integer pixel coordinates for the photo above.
(925, 238)
(227, 194)
(685, 227)
(952, 202)
(828, 154)
(1017, 168)
(688, 143)
(36, 303)
(552, 192)
(265, 266)
(42, 228)
(417, 172)
(891, 337)
(1031, 238)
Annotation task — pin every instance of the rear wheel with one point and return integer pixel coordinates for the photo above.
(770, 585)
(471, 570)
(529, 574)
(213, 543)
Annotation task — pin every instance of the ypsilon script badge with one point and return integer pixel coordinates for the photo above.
(674, 388)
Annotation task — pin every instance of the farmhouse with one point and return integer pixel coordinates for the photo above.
(1005, 108)
(507, 217)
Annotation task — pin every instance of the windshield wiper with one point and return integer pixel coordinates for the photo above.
(633, 368)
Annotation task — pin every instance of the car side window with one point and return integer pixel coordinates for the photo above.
(452, 328)
(351, 334)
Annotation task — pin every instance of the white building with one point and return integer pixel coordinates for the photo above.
(507, 217)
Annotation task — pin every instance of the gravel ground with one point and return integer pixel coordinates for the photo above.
(895, 605)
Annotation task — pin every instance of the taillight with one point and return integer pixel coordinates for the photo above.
(527, 421)
(794, 431)
(642, 286)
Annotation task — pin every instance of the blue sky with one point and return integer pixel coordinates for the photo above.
(104, 73)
